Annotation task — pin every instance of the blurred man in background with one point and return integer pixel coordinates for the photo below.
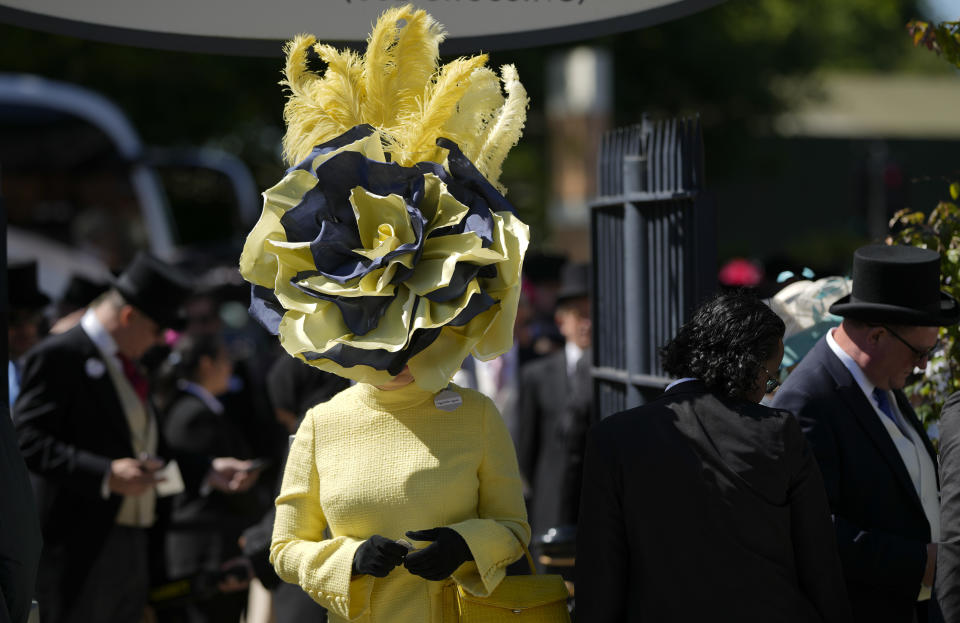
(26, 319)
(89, 436)
(555, 410)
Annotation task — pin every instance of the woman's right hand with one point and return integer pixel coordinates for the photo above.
(377, 556)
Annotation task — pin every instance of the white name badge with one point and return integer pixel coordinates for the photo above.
(447, 400)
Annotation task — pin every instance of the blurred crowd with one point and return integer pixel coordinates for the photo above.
(225, 399)
(200, 405)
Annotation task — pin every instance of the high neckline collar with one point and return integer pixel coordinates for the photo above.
(405, 397)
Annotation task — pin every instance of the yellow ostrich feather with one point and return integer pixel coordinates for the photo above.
(419, 132)
(342, 85)
(306, 117)
(478, 106)
(402, 54)
(398, 87)
(504, 132)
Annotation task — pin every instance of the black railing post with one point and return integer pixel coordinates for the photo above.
(634, 283)
(653, 234)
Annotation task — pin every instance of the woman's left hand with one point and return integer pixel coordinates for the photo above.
(439, 559)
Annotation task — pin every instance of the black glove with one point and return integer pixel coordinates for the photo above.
(439, 559)
(377, 556)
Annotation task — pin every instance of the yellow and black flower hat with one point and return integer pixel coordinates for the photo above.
(389, 242)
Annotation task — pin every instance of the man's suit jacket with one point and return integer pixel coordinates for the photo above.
(701, 509)
(948, 553)
(555, 411)
(71, 425)
(20, 539)
(881, 528)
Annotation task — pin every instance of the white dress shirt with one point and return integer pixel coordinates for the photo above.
(573, 353)
(134, 510)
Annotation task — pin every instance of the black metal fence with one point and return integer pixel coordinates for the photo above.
(653, 233)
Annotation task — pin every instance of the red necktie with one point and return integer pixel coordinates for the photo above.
(137, 380)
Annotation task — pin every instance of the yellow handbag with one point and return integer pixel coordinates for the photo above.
(520, 598)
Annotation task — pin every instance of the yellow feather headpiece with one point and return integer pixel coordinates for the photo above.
(389, 244)
(398, 87)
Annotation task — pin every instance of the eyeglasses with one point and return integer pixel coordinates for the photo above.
(919, 355)
(773, 381)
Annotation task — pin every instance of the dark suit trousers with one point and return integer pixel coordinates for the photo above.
(113, 590)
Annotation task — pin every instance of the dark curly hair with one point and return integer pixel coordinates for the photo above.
(725, 344)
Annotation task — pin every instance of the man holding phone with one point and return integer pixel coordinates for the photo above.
(90, 439)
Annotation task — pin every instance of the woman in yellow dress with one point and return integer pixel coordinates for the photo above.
(375, 465)
(386, 255)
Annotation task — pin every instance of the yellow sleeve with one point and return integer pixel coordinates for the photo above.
(495, 537)
(299, 550)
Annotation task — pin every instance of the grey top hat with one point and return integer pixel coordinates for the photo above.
(155, 288)
(897, 285)
(574, 282)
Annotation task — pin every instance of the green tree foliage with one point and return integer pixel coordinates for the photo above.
(728, 64)
(939, 231)
(943, 38)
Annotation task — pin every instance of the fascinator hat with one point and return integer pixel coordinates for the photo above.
(389, 242)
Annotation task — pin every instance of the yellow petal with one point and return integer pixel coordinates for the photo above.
(256, 265)
(430, 315)
(512, 236)
(354, 287)
(439, 207)
(433, 367)
(440, 257)
(314, 332)
(380, 219)
(370, 146)
(358, 373)
(296, 255)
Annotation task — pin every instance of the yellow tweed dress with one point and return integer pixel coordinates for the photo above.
(370, 462)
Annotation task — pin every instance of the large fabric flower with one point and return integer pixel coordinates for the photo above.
(389, 242)
(363, 266)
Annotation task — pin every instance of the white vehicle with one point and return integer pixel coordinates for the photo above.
(80, 191)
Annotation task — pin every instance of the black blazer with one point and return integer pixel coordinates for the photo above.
(881, 529)
(20, 539)
(553, 416)
(700, 509)
(948, 553)
(202, 530)
(71, 425)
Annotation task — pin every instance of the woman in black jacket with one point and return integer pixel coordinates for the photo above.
(204, 525)
(704, 505)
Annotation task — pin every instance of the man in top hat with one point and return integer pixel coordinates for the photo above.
(26, 315)
(91, 442)
(878, 465)
(555, 410)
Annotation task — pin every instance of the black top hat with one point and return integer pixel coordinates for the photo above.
(22, 290)
(897, 285)
(81, 291)
(574, 282)
(155, 288)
